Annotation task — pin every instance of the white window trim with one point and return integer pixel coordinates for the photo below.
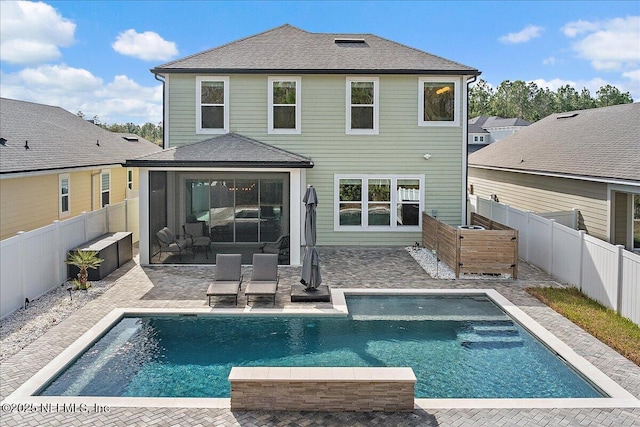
(62, 213)
(129, 181)
(456, 105)
(199, 128)
(298, 81)
(376, 106)
(102, 191)
(394, 227)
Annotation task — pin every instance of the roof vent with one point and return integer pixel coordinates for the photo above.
(350, 42)
(567, 116)
(3, 141)
(130, 138)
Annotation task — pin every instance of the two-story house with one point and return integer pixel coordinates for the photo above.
(484, 130)
(55, 165)
(377, 127)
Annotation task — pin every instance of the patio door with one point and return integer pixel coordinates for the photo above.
(236, 208)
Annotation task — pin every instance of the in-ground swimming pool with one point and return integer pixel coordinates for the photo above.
(458, 347)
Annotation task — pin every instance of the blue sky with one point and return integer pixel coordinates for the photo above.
(95, 56)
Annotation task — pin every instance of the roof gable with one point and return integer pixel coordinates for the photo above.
(290, 49)
(229, 150)
(599, 143)
(58, 139)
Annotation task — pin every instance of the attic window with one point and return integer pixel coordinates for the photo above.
(567, 116)
(348, 42)
(130, 138)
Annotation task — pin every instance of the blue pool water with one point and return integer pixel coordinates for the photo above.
(458, 347)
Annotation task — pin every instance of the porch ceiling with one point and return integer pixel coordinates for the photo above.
(230, 150)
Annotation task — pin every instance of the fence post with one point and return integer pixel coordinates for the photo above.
(107, 209)
(84, 225)
(59, 250)
(582, 233)
(574, 219)
(551, 246)
(619, 276)
(23, 273)
(126, 214)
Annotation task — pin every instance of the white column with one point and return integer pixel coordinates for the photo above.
(296, 188)
(143, 215)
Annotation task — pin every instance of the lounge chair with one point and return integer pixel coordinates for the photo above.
(228, 277)
(169, 243)
(264, 278)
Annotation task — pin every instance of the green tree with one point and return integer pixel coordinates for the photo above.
(479, 96)
(611, 95)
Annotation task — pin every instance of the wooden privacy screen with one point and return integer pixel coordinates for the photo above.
(490, 251)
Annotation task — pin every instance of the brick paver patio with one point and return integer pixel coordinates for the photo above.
(185, 286)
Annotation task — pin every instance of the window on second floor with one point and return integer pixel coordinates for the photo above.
(105, 188)
(212, 104)
(64, 181)
(438, 102)
(284, 105)
(362, 105)
(130, 179)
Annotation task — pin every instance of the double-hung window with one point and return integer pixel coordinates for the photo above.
(284, 105)
(64, 182)
(105, 188)
(378, 202)
(362, 106)
(212, 104)
(437, 102)
(130, 179)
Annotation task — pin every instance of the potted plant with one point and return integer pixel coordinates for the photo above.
(83, 260)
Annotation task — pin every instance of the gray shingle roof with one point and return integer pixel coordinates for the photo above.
(487, 122)
(229, 150)
(288, 49)
(58, 139)
(601, 143)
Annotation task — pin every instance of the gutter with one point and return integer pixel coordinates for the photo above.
(164, 122)
(472, 72)
(465, 155)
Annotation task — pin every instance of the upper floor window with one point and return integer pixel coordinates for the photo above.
(478, 139)
(64, 181)
(105, 188)
(362, 105)
(212, 104)
(438, 102)
(284, 105)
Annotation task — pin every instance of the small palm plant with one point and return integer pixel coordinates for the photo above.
(83, 260)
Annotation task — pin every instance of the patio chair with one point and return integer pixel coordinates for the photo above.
(169, 243)
(264, 278)
(280, 247)
(228, 278)
(195, 232)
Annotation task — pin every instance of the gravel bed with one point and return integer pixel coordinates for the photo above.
(440, 270)
(24, 326)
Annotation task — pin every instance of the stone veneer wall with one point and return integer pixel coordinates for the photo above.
(322, 389)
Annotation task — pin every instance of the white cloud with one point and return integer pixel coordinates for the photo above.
(148, 46)
(526, 34)
(610, 45)
(75, 89)
(632, 75)
(549, 61)
(32, 32)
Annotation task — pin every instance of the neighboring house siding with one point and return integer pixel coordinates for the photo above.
(546, 194)
(621, 218)
(397, 149)
(31, 202)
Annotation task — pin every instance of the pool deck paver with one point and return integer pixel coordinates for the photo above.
(185, 287)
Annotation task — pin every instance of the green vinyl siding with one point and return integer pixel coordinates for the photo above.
(397, 149)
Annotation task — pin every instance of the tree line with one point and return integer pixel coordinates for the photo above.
(532, 103)
(148, 131)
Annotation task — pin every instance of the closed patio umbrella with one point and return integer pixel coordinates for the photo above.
(311, 277)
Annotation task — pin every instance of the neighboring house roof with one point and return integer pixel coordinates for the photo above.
(476, 128)
(600, 143)
(229, 150)
(58, 139)
(288, 49)
(488, 122)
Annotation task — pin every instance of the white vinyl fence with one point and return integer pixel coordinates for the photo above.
(32, 262)
(605, 272)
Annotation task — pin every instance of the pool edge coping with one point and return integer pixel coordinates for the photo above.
(618, 396)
